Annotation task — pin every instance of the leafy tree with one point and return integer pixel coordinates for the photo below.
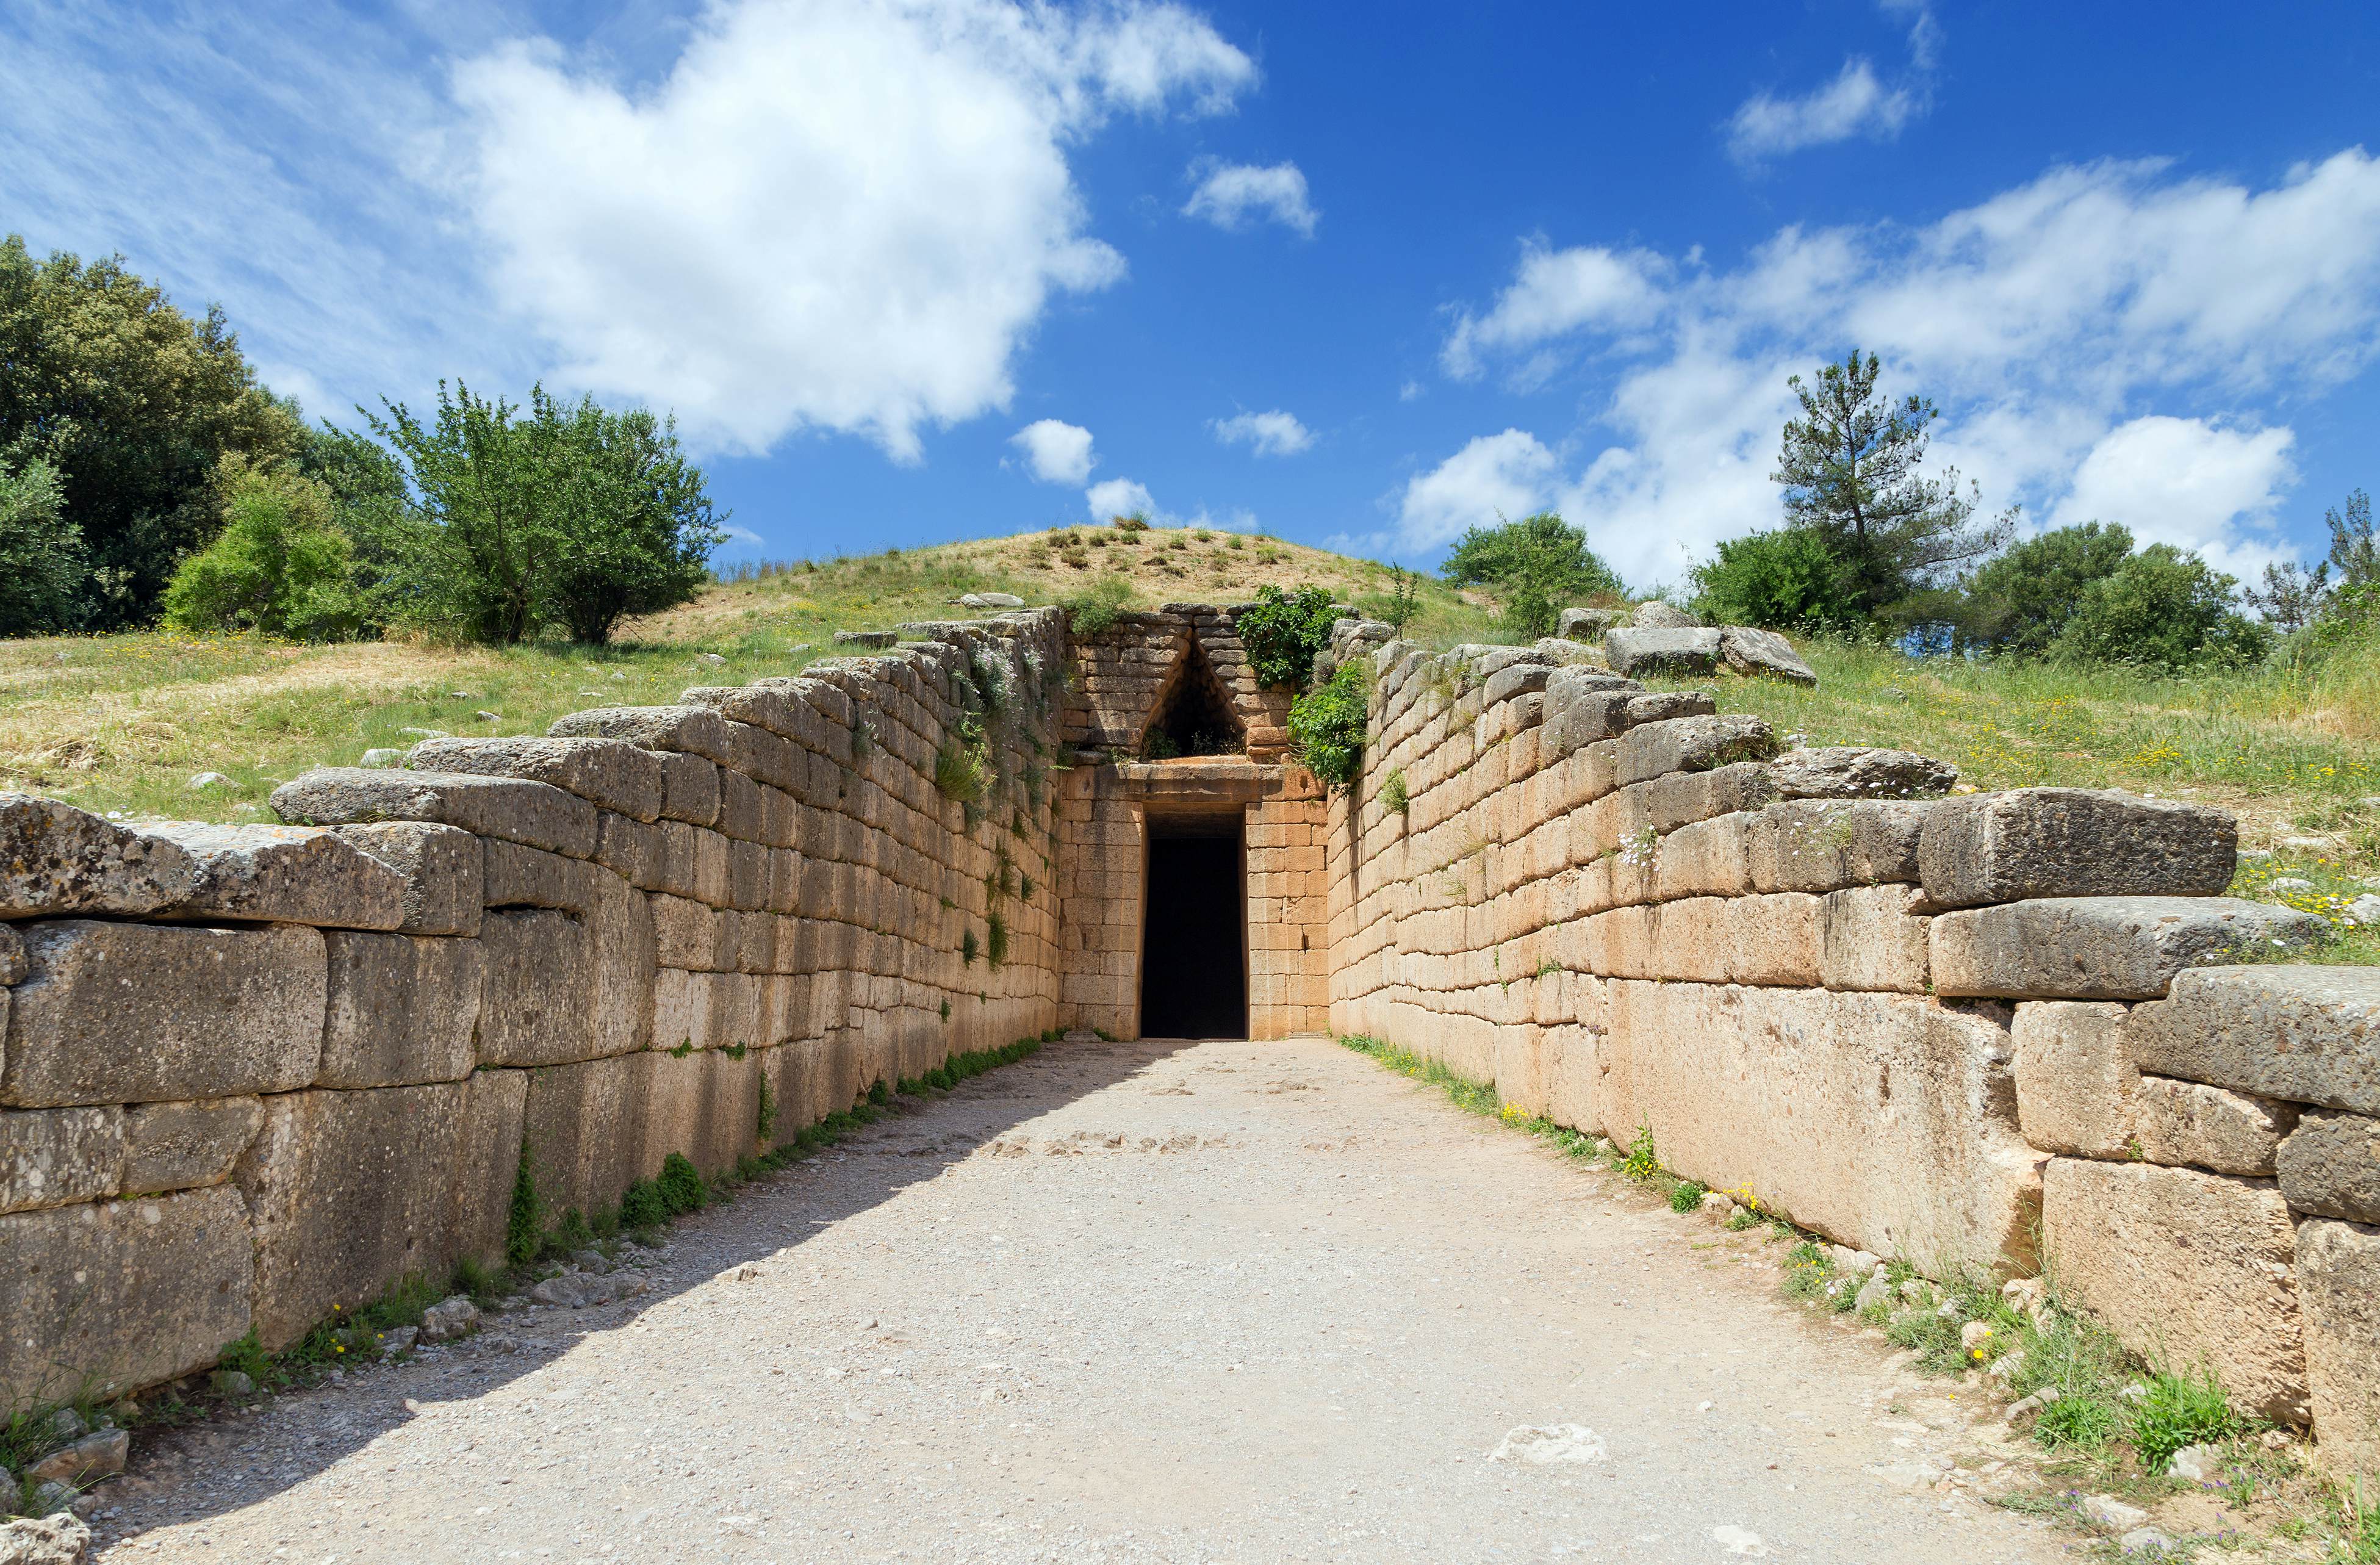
(1326, 726)
(1788, 579)
(570, 517)
(2021, 601)
(1537, 566)
(2354, 554)
(2291, 597)
(1283, 632)
(281, 565)
(134, 404)
(1849, 469)
(41, 567)
(2161, 608)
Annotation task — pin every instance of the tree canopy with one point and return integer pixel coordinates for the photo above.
(1536, 566)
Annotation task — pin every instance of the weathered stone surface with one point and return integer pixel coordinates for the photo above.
(1585, 625)
(1654, 615)
(403, 1009)
(537, 979)
(183, 1146)
(285, 875)
(2074, 1077)
(86, 1458)
(1659, 706)
(1825, 845)
(524, 877)
(349, 1191)
(620, 933)
(2103, 947)
(512, 808)
(442, 866)
(1858, 772)
(1692, 744)
(1507, 683)
(57, 861)
(1638, 652)
(12, 955)
(695, 731)
(865, 638)
(2338, 1280)
(1867, 940)
(689, 787)
(2311, 1034)
(109, 1295)
(56, 1156)
(58, 1538)
(706, 1105)
(138, 1012)
(611, 773)
(2185, 1266)
(1584, 705)
(1903, 1139)
(584, 1124)
(1763, 653)
(2206, 1127)
(2032, 843)
(2330, 1165)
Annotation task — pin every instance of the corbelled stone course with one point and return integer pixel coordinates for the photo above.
(695, 731)
(512, 809)
(609, 772)
(2032, 843)
(2311, 1034)
(2104, 947)
(284, 874)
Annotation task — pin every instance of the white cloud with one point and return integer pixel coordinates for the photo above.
(2187, 482)
(1505, 476)
(1119, 497)
(2046, 321)
(1229, 195)
(1855, 104)
(1268, 434)
(1555, 293)
(1056, 450)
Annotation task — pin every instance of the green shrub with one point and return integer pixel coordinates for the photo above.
(1536, 566)
(42, 561)
(768, 1126)
(525, 1221)
(1094, 611)
(969, 948)
(2180, 1410)
(1326, 727)
(995, 945)
(1134, 522)
(2076, 1423)
(643, 1206)
(281, 566)
(2161, 608)
(1687, 1195)
(681, 1186)
(1393, 795)
(1641, 1162)
(1283, 632)
(1785, 579)
(2019, 601)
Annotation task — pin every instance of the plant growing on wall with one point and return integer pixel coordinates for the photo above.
(1326, 727)
(1283, 632)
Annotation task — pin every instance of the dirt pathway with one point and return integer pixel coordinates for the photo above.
(1218, 1302)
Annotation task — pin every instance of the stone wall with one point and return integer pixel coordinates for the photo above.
(252, 1075)
(1981, 1032)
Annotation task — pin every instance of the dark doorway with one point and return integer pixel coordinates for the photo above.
(1193, 976)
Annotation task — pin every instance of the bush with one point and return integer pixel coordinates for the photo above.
(2180, 1410)
(641, 1206)
(2019, 601)
(1093, 611)
(525, 1221)
(1283, 632)
(681, 1186)
(1542, 550)
(42, 561)
(1326, 727)
(1788, 579)
(2164, 609)
(280, 567)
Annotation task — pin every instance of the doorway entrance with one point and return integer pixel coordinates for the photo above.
(1194, 971)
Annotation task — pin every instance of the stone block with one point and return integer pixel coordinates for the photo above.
(706, 1105)
(403, 1009)
(1585, 625)
(1518, 680)
(1632, 651)
(108, 1296)
(630, 849)
(1858, 772)
(1823, 845)
(512, 808)
(139, 1013)
(2074, 1077)
(2184, 1266)
(537, 977)
(56, 1156)
(443, 868)
(1679, 798)
(689, 730)
(1763, 653)
(689, 935)
(2311, 1034)
(1660, 706)
(525, 877)
(610, 774)
(583, 1124)
(1868, 940)
(2033, 842)
(182, 1145)
(1773, 940)
(2206, 1127)
(2338, 1283)
(2330, 1165)
(283, 875)
(2103, 947)
(1692, 744)
(350, 1191)
(57, 861)
(689, 788)
(1703, 858)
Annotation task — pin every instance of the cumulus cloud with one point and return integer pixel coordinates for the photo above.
(1505, 476)
(1231, 195)
(1057, 452)
(1268, 434)
(2043, 320)
(1554, 294)
(1119, 497)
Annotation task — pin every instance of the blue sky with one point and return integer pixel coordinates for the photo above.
(1355, 276)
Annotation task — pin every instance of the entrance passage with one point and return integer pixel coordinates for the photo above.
(1194, 976)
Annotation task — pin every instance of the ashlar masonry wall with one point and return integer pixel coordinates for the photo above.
(1983, 1032)
(250, 1074)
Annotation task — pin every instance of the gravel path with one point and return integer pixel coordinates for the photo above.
(1223, 1302)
